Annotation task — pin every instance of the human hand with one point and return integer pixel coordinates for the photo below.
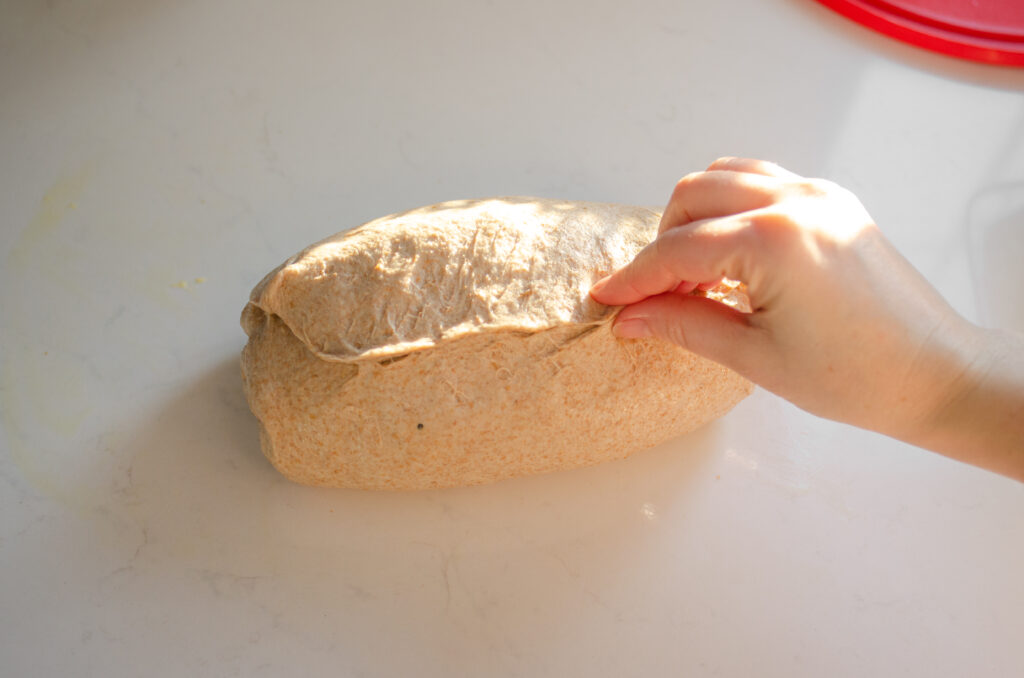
(842, 325)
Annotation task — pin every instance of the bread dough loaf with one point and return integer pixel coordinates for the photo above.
(456, 345)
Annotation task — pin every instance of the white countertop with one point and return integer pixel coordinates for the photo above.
(157, 158)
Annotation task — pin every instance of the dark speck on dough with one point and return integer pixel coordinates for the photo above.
(419, 426)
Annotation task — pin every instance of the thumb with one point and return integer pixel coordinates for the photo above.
(703, 326)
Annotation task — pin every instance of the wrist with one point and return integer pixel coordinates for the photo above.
(978, 414)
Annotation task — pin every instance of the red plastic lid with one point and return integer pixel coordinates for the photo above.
(990, 31)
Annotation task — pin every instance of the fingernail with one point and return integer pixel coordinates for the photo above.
(705, 286)
(634, 328)
(685, 287)
(599, 285)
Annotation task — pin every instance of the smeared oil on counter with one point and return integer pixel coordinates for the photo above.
(43, 388)
(58, 200)
(50, 379)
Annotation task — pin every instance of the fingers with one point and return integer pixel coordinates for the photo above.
(701, 325)
(701, 238)
(751, 166)
(706, 195)
(705, 286)
(705, 252)
(729, 185)
(686, 287)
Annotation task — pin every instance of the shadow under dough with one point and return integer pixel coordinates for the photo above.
(198, 473)
(214, 516)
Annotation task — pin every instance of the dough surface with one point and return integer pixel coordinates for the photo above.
(456, 344)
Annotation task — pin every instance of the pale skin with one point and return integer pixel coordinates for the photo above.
(842, 325)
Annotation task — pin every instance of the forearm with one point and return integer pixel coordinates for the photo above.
(981, 422)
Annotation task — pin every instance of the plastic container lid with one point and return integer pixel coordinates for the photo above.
(989, 31)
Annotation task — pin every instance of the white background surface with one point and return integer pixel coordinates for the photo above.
(144, 145)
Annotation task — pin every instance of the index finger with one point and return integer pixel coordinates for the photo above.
(719, 193)
(752, 166)
(706, 250)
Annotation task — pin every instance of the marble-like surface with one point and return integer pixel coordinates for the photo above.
(157, 158)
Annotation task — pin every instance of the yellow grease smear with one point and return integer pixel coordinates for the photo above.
(51, 399)
(56, 202)
(51, 395)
